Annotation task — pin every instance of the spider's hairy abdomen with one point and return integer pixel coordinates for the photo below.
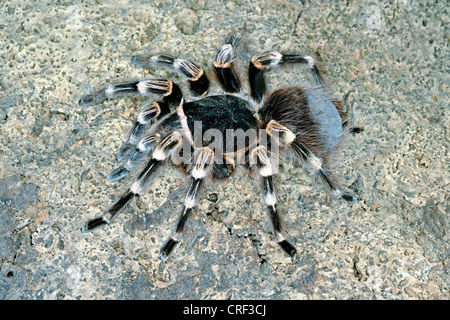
(309, 113)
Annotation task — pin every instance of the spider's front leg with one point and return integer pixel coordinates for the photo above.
(196, 76)
(172, 97)
(162, 151)
(265, 170)
(170, 91)
(270, 59)
(201, 169)
(224, 65)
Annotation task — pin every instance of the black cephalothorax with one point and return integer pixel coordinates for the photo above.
(210, 135)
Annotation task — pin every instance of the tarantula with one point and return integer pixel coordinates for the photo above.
(303, 121)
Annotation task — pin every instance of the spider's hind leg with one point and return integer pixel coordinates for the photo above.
(265, 170)
(314, 164)
(306, 122)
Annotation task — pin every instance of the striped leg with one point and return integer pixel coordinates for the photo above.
(224, 65)
(148, 115)
(269, 59)
(196, 76)
(201, 169)
(145, 118)
(144, 147)
(162, 152)
(171, 98)
(171, 92)
(286, 137)
(266, 172)
(314, 164)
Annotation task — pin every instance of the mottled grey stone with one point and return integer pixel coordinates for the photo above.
(387, 60)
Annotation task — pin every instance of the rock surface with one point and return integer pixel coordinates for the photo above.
(388, 61)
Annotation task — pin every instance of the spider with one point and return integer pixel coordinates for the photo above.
(301, 121)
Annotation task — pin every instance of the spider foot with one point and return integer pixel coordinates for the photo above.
(125, 151)
(167, 249)
(92, 99)
(356, 129)
(93, 224)
(349, 197)
(289, 249)
(135, 154)
(117, 174)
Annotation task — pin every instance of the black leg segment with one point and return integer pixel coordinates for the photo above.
(270, 59)
(224, 65)
(198, 81)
